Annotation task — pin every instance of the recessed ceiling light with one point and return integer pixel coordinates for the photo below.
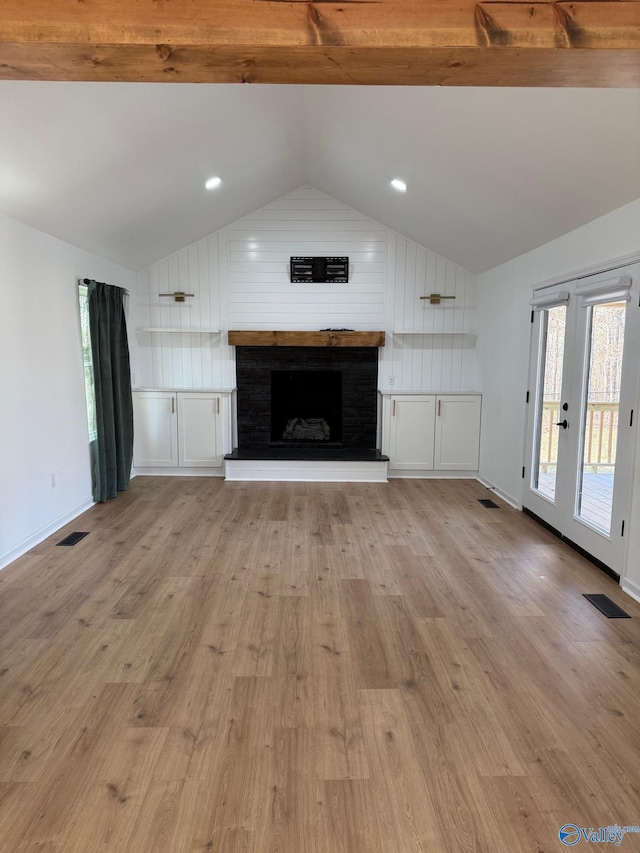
(399, 185)
(212, 183)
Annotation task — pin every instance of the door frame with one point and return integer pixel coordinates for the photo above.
(535, 502)
(568, 525)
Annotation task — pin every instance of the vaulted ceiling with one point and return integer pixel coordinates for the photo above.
(119, 168)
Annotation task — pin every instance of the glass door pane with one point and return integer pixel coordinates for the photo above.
(553, 324)
(594, 499)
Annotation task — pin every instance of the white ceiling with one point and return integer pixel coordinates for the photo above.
(119, 168)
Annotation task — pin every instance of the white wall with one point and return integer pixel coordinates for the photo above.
(44, 424)
(240, 278)
(504, 334)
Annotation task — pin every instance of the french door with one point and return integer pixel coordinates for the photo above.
(583, 386)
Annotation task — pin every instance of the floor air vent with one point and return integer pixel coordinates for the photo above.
(488, 503)
(73, 538)
(606, 606)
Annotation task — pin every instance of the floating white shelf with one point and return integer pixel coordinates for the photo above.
(442, 332)
(174, 330)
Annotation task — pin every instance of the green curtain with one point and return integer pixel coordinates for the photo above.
(113, 451)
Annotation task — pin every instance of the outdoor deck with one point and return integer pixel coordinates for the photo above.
(600, 440)
(597, 496)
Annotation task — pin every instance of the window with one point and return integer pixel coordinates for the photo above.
(87, 360)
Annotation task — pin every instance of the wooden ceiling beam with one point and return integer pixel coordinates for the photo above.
(395, 42)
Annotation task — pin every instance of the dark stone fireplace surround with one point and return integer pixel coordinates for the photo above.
(357, 365)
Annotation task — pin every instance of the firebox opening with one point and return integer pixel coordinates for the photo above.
(306, 407)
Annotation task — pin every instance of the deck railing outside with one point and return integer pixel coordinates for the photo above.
(601, 435)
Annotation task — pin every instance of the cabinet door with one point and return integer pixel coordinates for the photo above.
(155, 441)
(199, 443)
(412, 432)
(457, 433)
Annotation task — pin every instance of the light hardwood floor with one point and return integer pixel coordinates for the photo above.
(312, 668)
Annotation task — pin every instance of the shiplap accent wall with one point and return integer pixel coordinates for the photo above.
(436, 360)
(305, 223)
(240, 278)
(193, 360)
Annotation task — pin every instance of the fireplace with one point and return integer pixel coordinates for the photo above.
(306, 407)
(313, 397)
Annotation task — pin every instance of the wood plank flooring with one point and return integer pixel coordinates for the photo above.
(312, 668)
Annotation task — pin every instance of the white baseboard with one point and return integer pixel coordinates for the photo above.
(631, 588)
(503, 495)
(178, 472)
(283, 470)
(37, 537)
(417, 474)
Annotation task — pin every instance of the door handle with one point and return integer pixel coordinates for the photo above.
(564, 424)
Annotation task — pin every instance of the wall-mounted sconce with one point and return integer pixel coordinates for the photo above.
(434, 298)
(178, 295)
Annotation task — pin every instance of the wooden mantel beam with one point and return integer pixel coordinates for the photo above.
(421, 42)
(305, 339)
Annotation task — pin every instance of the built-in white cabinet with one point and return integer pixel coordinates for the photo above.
(177, 429)
(457, 433)
(430, 432)
(155, 429)
(412, 432)
(199, 444)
